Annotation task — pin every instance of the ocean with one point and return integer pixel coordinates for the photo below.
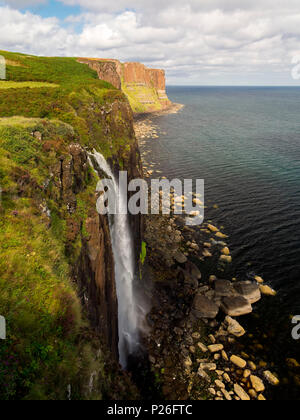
(245, 143)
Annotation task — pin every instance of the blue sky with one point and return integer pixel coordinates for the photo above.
(54, 8)
(205, 42)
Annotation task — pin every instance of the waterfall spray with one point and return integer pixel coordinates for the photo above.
(123, 251)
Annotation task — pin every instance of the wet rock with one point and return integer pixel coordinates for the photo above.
(204, 308)
(226, 258)
(259, 279)
(249, 291)
(212, 228)
(226, 251)
(234, 328)
(236, 306)
(267, 291)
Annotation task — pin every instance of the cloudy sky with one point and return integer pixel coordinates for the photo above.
(203, 42)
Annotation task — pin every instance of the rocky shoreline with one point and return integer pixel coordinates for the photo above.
(194, 349)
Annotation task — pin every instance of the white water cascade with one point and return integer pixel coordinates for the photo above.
(123, 251)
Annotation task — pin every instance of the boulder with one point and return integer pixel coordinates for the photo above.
(226, 258)
(272, 379)
(238, 361)
(223, 288)
(208, 366)
(214, 348)
(248, 290)
(204, 308)
(241, 393)
(234, 328)
(236, 306)
(257, 384)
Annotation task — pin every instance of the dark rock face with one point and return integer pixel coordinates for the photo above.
(95, 276)
(204, 307)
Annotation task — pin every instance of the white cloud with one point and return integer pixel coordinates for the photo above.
(199, 41)
(23, 3)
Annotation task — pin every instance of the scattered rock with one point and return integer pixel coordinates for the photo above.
(220, 384)
(236, 306)
(241, 393)
(208, 366)
(259, 279)
(267, 291)
(180, 257)
(239, 362)
(225, 251)
(261, 398)
(212, 392)
(234, 328)
(188, 362)
(226, 258)
(249, 291)
(272, 379)
(226, 394)
(215, 348)
(204, 375)
(213, 228)
(202, 347)
(223, 288)
(204, 308)
(257, 384)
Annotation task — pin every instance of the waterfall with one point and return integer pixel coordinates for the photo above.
(123, 251)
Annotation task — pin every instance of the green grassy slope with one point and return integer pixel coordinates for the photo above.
(49, 342)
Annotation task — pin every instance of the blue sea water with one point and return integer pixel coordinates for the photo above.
(245, 143)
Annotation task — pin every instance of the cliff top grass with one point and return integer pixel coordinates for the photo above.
(49, 342)
(62, 89)
(22, 85)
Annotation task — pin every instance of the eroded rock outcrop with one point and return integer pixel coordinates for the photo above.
(144, 87)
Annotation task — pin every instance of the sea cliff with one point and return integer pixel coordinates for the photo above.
(145, 88)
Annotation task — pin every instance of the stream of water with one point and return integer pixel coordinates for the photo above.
(123, 251)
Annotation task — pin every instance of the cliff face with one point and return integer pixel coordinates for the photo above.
(145, 88)
(57, 287)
